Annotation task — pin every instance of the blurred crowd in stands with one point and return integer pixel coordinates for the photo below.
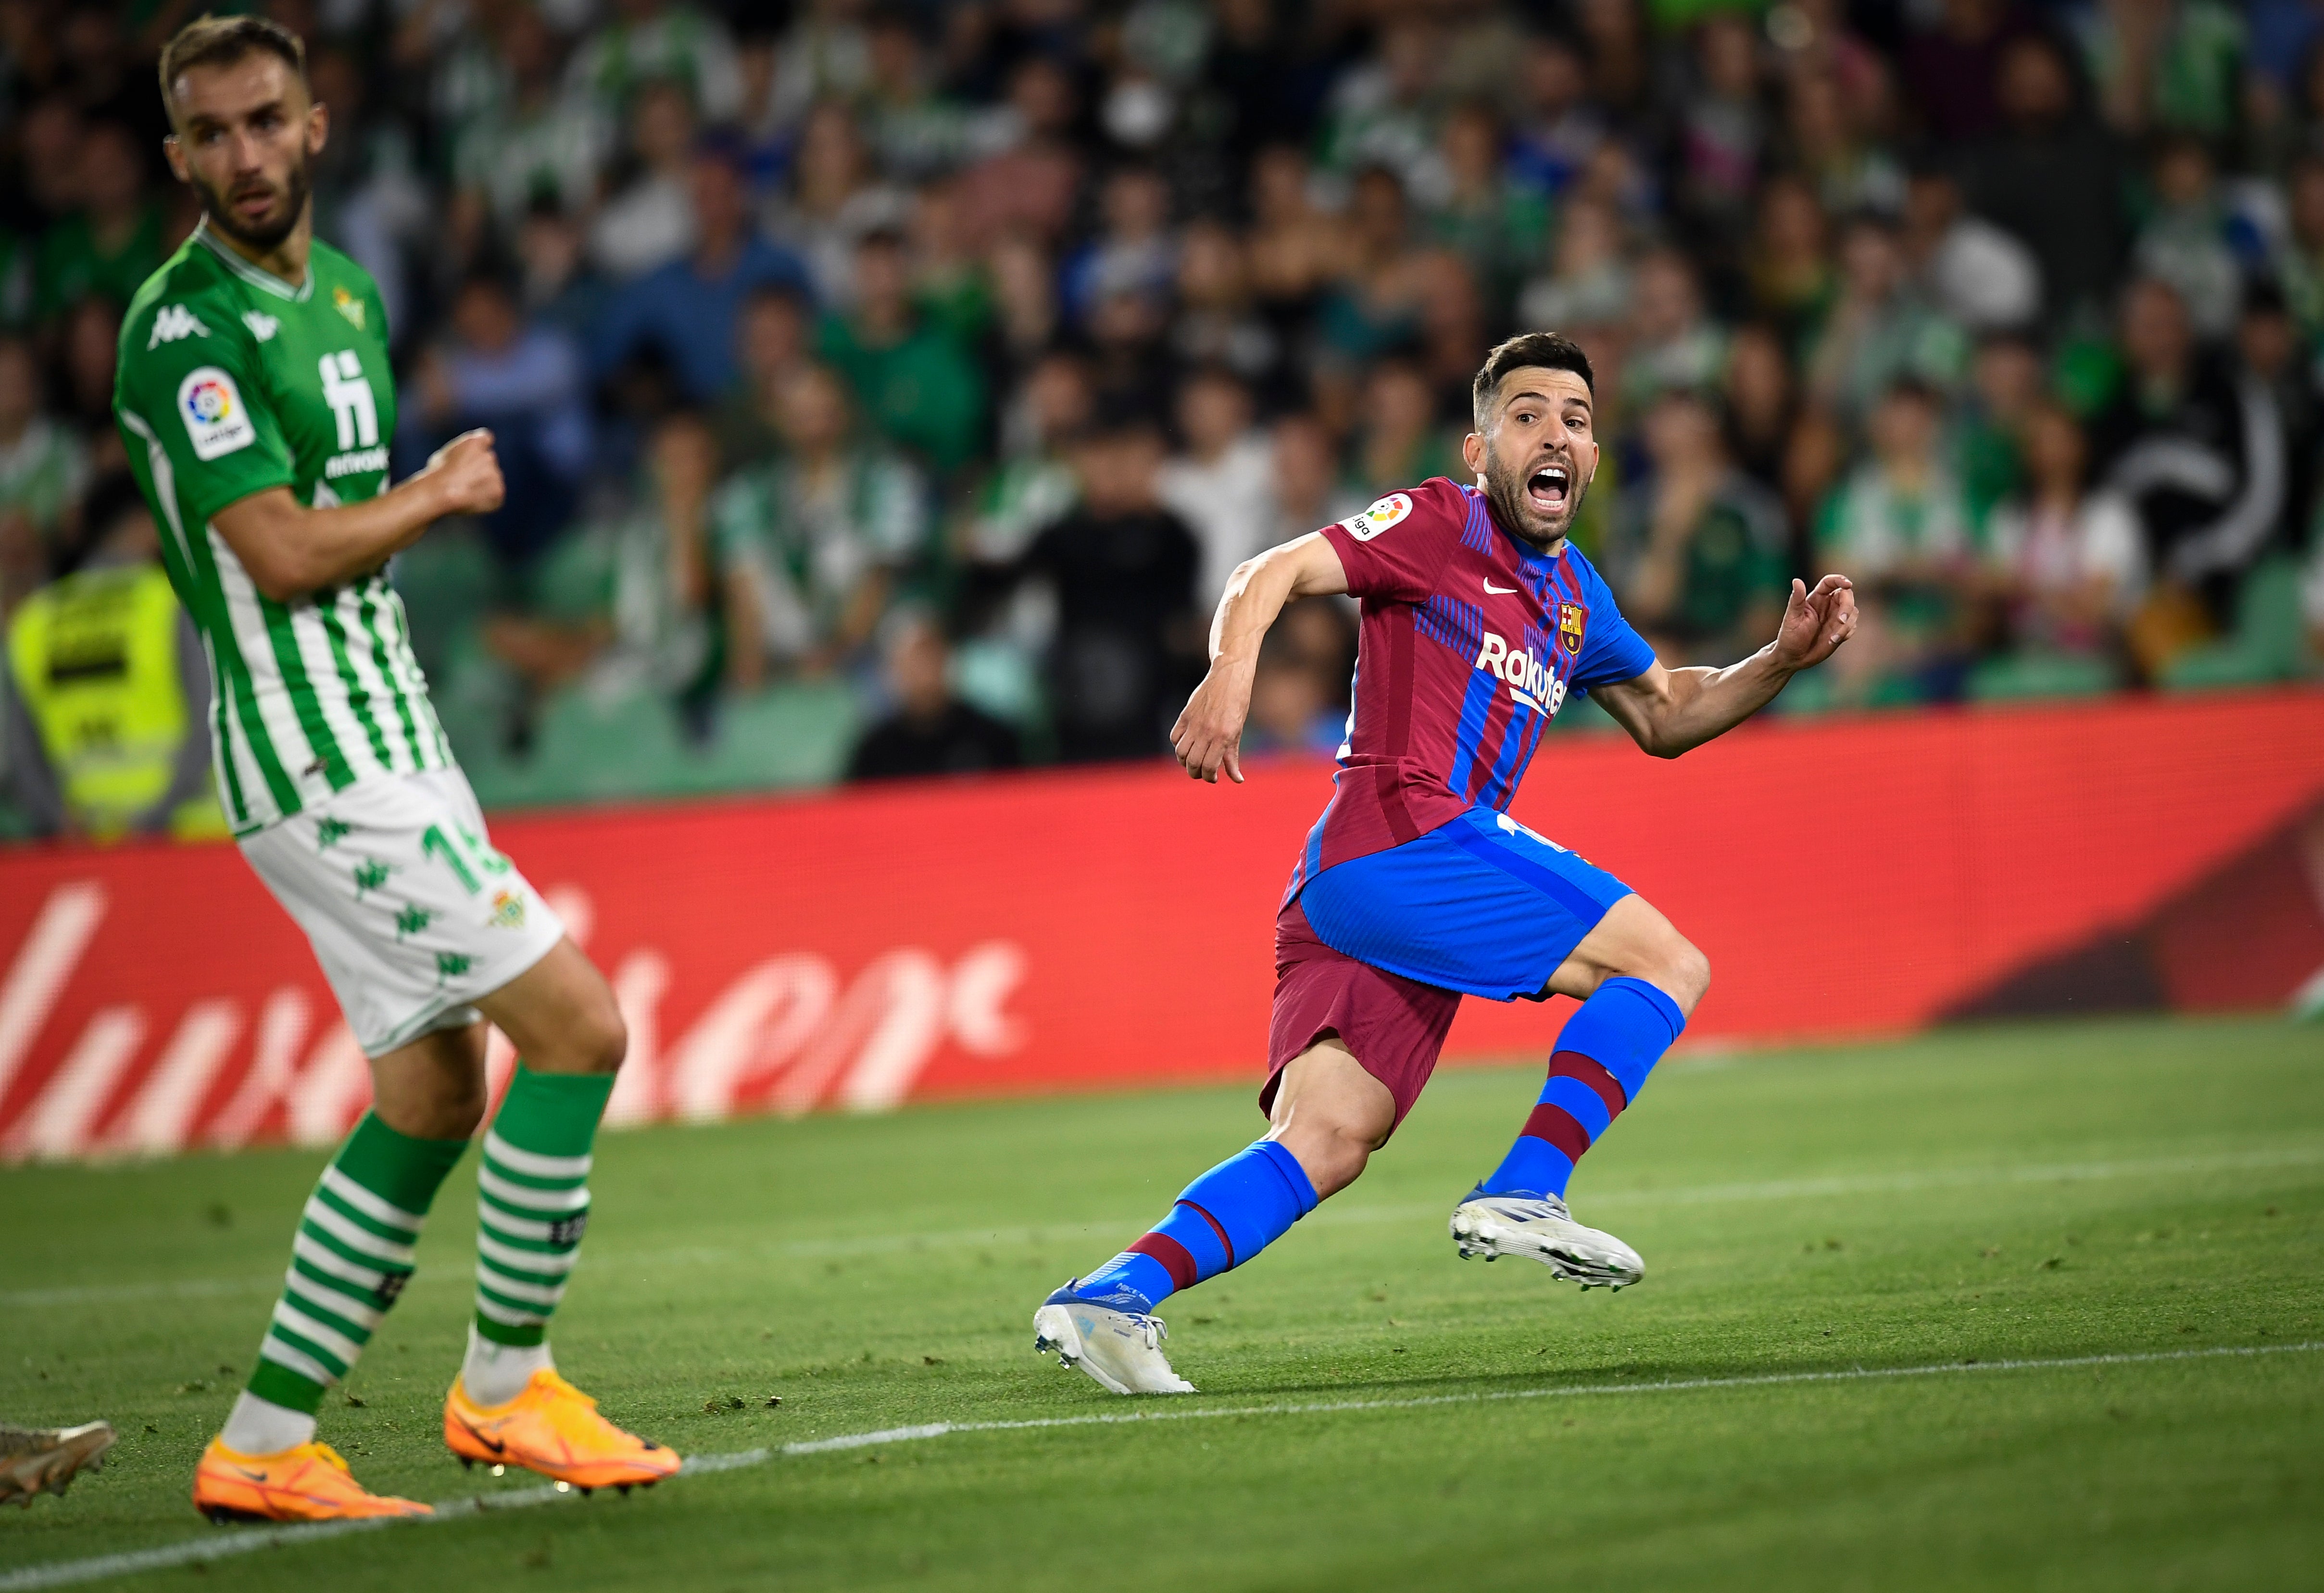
(889, 388)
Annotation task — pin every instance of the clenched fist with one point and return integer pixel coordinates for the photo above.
(467, 474)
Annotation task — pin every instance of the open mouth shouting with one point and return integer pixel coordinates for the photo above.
(1550, 489)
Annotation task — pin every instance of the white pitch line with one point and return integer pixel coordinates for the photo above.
(190, 1551)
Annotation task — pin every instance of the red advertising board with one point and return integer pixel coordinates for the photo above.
(1076, 930)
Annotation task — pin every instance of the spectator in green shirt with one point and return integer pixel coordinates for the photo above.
(916, 385)
(1899, 526)
(810, 547)
(114, 242)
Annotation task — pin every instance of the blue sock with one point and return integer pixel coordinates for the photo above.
(1603, 1055)
(1222, 1220)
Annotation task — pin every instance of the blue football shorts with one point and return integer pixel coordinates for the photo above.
(1481, 905)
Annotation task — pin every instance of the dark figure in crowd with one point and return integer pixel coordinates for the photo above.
(1127, 648)
(931, 732)
(2052, 176)
(2197, 447)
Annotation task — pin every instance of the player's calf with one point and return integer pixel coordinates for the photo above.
(1641, 979)
(1104, 1323)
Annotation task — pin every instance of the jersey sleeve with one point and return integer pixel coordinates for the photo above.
(187, 383)
(1398, 549)
(1611, 651)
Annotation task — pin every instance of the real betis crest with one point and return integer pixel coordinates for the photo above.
(349, 306)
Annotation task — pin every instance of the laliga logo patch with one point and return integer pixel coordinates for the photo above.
(211, 407)
(1379, 517)
(1572, 619)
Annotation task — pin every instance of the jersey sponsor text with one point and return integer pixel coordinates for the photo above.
(1530, 681)
(348, 393)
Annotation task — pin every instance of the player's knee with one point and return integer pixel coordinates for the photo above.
(1331, 1146)
(1685, 975)
(443, 1106)
(593, 1038)
(460, 1116)
(603, 1038)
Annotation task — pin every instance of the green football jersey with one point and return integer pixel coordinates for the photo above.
(232, 381)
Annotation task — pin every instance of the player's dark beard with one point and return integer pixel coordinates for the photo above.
(1505, 490)
(263, 239)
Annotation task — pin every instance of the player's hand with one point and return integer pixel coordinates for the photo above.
(468, 474)
(1815, 623)
(1208, 736)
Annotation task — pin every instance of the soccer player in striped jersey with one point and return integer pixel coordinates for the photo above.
(254, 395)
(1416, 887)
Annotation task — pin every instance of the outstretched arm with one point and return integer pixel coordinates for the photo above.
(1672, 711)
(1208, 736)
(291, 549)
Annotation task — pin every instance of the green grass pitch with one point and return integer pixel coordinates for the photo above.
(2150, 1191)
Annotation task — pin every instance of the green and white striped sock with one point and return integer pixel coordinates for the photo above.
(532, 1204)
(351, 1257)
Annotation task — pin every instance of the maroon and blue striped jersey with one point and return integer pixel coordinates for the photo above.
(1470, 641)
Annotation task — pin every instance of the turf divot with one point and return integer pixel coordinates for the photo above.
(224, 1543)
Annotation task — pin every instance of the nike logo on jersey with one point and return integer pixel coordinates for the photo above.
(1494, 591)
(1530, 681)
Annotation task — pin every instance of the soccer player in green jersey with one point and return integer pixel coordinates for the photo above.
(255, 397)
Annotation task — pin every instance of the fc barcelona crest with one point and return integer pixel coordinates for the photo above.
(1572, 620)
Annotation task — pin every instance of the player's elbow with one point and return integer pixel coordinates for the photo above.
(278, 578)
(1656, 740)
(274, 561)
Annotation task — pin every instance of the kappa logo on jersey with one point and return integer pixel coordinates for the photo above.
(348, 393)
(172, 322)
(1379, 517)
(1531, 682)
(210, 405)
(1572, 620)
(262, 326)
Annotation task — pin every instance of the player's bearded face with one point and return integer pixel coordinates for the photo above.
(1539, 454)
(258, 208)
(244, 137)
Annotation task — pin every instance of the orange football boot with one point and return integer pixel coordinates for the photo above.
(308, 1483)
(553, 1428)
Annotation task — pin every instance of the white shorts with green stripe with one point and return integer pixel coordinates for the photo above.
(412, 913)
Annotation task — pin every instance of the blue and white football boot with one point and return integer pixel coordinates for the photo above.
(1115, 1337)
(1540, 1228)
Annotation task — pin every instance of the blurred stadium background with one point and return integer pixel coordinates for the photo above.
(887, 390)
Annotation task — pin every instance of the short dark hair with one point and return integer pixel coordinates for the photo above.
(1551, 351)
(222, 40)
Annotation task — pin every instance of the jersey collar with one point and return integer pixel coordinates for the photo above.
(1528, 556)
(266, 281)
